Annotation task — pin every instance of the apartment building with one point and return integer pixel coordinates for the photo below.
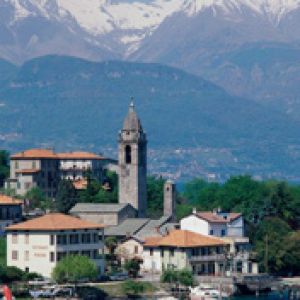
(10, 211)
(44, 168)
(229, 227)
(204, 255)
(184, 249)
(38, 244)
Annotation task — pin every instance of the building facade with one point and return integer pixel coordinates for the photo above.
(230, 228)
(215, 223)
(204, 255)
(37, 245)
(10, 212)
(133, 163)
(185, 249)
(44, 168)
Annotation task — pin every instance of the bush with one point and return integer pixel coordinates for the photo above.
(74, 268)
(11, 274)
(133, 288)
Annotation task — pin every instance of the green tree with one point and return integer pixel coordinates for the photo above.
(133, 266)
(270, 239)
(73, 268)
(4, 166)
(292, 253)
(36, 197)
(111, 244)
(169, 276)
(2, 251)
(185, 277)
(155, 196)
(66, 196)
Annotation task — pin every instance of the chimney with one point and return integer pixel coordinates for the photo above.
(169, 199)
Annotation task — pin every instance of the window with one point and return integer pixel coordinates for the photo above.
(96, 238)
(14, 255)
(128, 154)
(26, 255)
(211, 232)
(136, 249)
(16, 165)
(14, 238)
(172, 252)
(74, 239)
(223, 232)
(27, 185)
(33, 164)
(52, 257)
(61, 239)
(162, 253)
(52, 239)
(86, 238)
(27, 238)
(151, 251)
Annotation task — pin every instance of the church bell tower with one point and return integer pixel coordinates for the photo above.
(133, 163)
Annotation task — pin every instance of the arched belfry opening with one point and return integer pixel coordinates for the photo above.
(128, 154)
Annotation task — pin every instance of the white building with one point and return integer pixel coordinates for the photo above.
(230, 228)
(38, 244)
(74, 165)
(215, 223)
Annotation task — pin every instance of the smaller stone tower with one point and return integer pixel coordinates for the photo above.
(169, 198)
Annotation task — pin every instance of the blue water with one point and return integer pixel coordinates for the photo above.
(272, 296)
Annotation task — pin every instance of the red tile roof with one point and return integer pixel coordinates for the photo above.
(34, 153)
(46, 153)
(213, 217)
(80, 184)
(28, 171)
(78, 155)
(183, 239)
(53, 222)
(7, 200)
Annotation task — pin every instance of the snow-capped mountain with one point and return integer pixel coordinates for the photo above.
(101, 29)
(249, 47)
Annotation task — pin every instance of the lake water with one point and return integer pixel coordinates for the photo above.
(264, 297)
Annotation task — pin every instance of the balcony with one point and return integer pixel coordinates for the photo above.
(205, 258)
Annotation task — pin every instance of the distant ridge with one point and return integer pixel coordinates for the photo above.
(72, 104)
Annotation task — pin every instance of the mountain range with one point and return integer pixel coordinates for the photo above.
(249, 47)
(70, 103)
(228, 72)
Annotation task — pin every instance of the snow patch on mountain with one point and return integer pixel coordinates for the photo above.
(274, 10)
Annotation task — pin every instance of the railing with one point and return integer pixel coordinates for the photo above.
(213, 257)
(219, 257)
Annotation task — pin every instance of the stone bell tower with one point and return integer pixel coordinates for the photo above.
(133, 163)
